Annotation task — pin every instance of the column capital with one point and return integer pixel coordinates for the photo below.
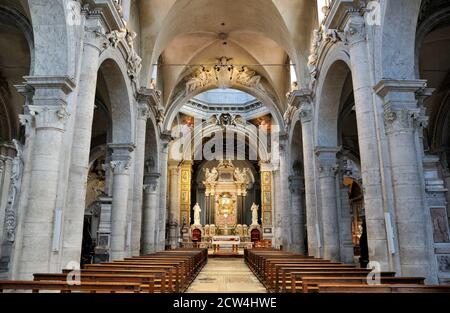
(327, 159)
(355, 29)
(401, 103)
(49, 108)
(120, 166)
(151, 181)
(120, 157)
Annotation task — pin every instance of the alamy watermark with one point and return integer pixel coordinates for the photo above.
(230, 141)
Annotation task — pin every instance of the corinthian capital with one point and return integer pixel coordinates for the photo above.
(355, 30)
(49, 116)
(120, 166)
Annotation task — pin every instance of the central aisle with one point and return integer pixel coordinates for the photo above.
(227, 275)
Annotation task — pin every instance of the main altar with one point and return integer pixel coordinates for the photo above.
(225, 189)
(226, 226)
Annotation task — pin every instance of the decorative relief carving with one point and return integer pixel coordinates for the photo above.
(306, 112)
(14, 190)
(355, 30)
(404, 119)
(143, 111)
(222, 75)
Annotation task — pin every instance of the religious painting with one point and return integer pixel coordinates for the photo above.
(185, 177)
(267, 218)
(444, 263)
(266, 178)
(184, 196)
(440, 225)
(267, 197)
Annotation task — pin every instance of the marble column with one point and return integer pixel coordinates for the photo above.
(174, 204)
(120, 165)
(403, 119)
(345, 219)
(306, 115)
(143, 113)
(150, 217)
(50, 116)
(327, 179)
(161, 239)
(297, 223)
(367, 138)
(283, 205)
(80, 151)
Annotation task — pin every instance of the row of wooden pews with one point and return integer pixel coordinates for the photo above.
(163, 272)
(282, 271)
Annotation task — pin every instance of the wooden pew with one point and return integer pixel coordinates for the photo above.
(146, 282)
(311, 281)
(63, 287)
(168, 284)
(383, 288)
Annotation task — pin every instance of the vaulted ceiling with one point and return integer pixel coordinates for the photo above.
(264, 34)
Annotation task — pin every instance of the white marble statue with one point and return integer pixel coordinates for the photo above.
(197, 211)
(211, 176)
(254, 210)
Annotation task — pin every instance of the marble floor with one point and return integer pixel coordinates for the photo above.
(226, 275)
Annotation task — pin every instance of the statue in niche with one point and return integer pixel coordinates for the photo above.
(211, 176)
(254, 210)
(197, 211)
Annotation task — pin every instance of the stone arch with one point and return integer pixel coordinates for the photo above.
(398, 39)
(178, 102)
(14, 17)
(120, 97)
(295, 144)
(206, 130)
(54, 38)
(429, 24)
(335, 69)
(153, 143)
(17, 56)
